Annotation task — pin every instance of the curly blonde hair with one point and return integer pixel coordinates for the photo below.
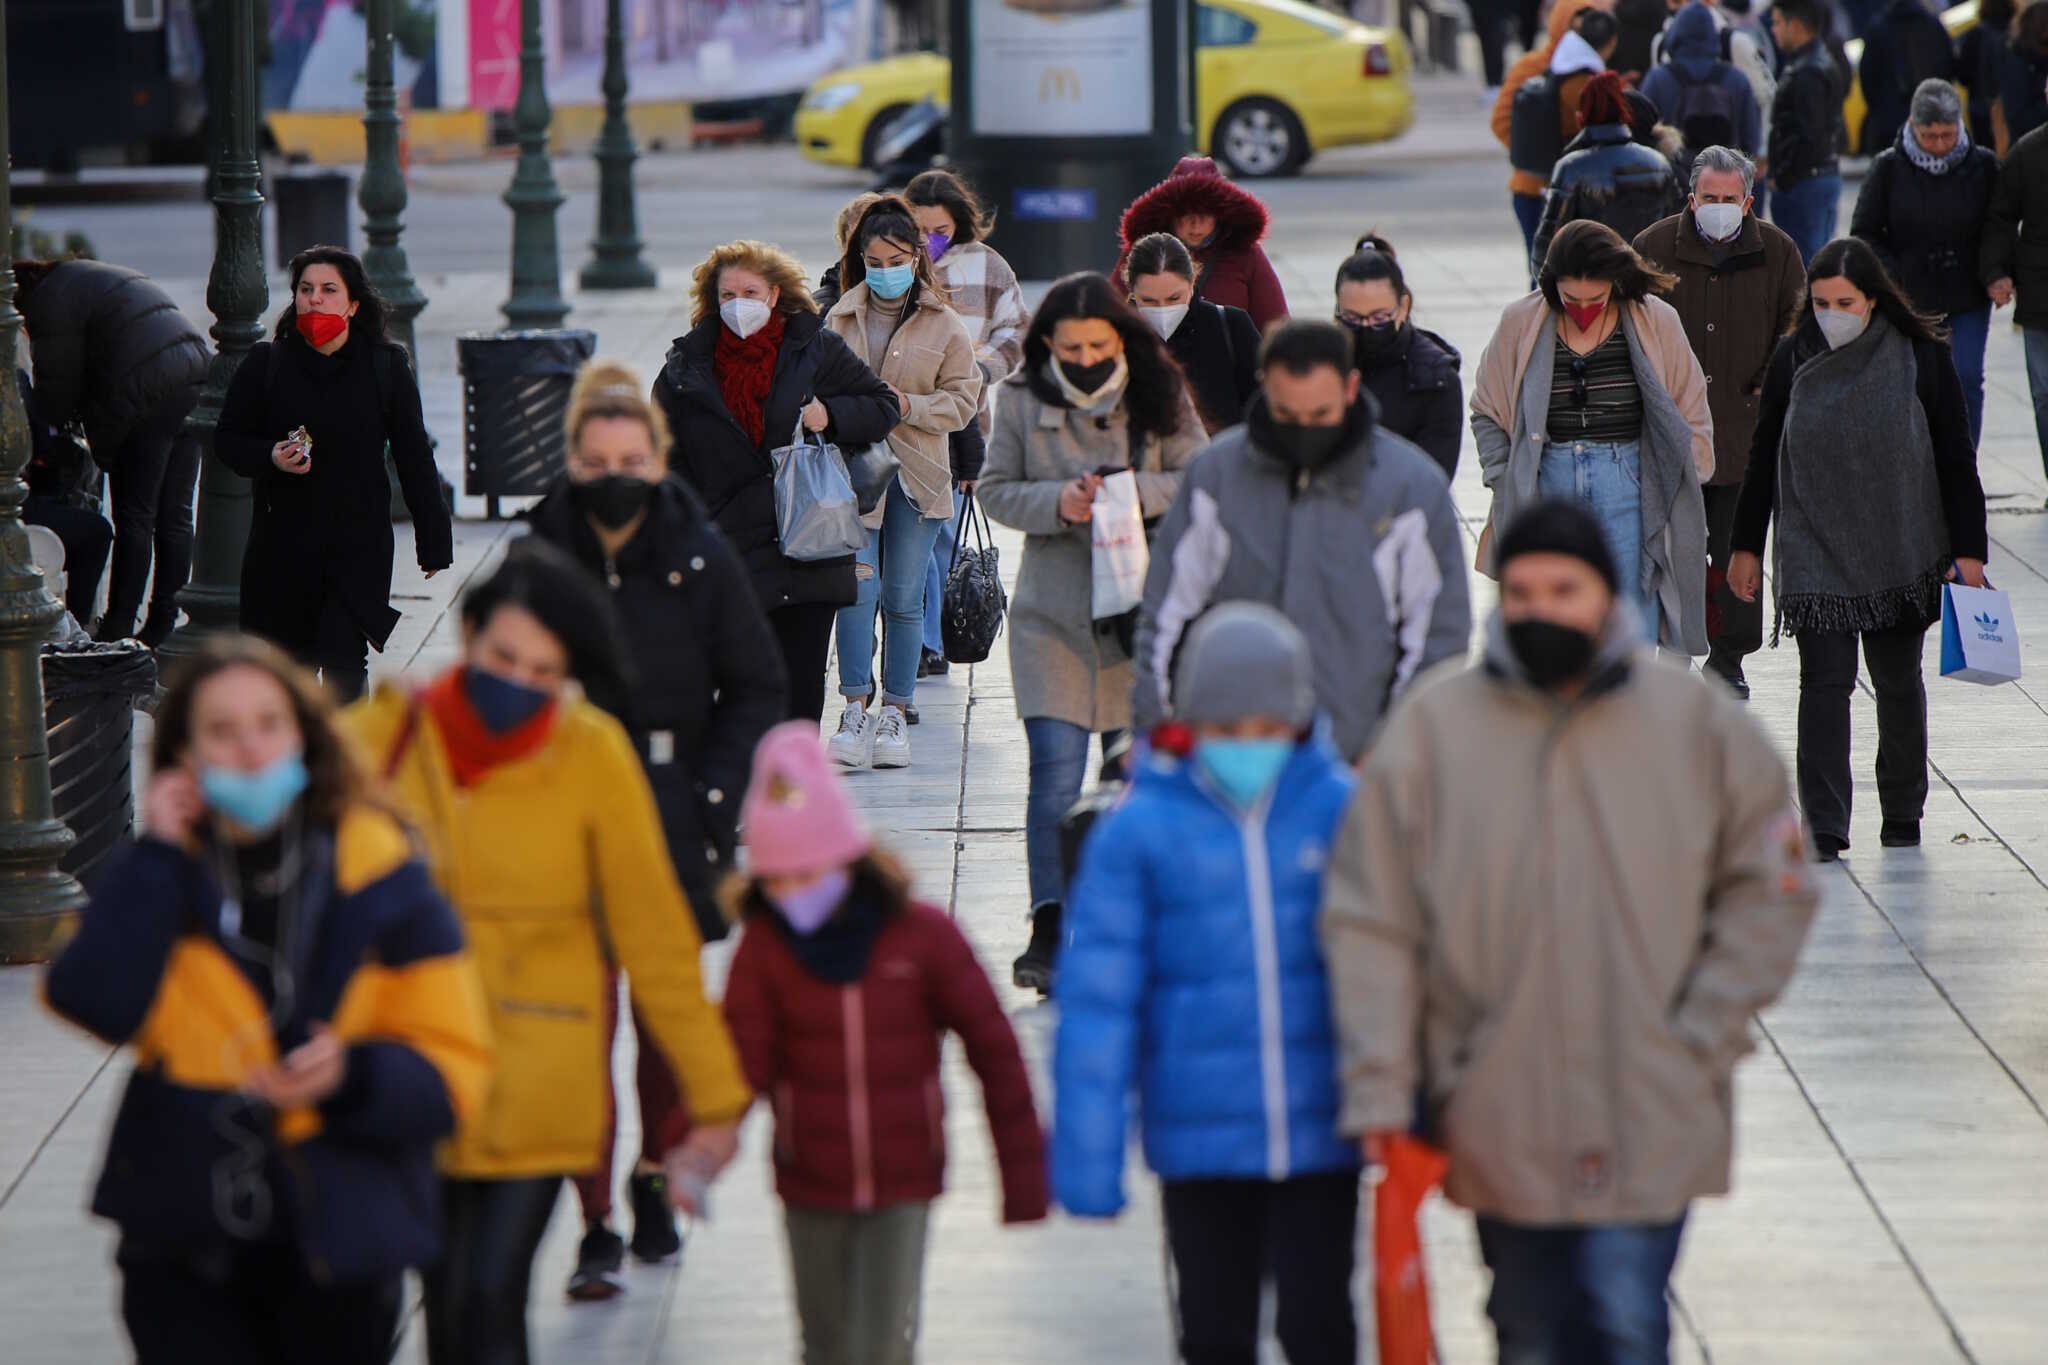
(770, 262)
(612, 388)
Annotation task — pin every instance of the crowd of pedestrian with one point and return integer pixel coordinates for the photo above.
(371, 959)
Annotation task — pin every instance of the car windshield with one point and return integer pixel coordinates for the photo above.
(1329, 23)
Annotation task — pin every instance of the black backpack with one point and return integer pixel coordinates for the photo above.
(975, 601)
(1535, 138)
(1705, 116)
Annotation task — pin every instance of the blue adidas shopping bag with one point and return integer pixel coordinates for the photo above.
(1979, 642)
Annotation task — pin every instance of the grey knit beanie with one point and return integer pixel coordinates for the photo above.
(1244, 659)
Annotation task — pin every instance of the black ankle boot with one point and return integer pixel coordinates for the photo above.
(1034, 968)
(1900, 834)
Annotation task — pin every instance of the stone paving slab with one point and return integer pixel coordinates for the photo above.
(1891, 1194)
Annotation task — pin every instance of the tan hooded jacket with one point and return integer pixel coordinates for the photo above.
(1551, 923)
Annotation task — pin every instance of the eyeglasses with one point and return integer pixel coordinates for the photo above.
(1579, 367)
(1379, 319)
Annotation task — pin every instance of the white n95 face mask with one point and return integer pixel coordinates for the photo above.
(1840, 328)
(1718, 222)
(744, 316)
(1165, 321)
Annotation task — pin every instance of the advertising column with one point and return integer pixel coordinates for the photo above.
(1062, 112)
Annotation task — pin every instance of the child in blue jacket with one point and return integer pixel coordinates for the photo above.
(1194, 976)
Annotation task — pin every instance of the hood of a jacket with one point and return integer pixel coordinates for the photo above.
(1599, 135)
(1574, 54)
(1617, 645)
(1692, 42)
(1197, 186)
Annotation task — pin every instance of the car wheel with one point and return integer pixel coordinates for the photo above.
(877, 126)
(1259, 138)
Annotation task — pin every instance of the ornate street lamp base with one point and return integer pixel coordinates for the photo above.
(618, 267)
(42, 904)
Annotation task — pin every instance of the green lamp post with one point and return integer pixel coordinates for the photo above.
(615, 261)
(37, 898)
(237, 294)
(534, 197)
(382, 194)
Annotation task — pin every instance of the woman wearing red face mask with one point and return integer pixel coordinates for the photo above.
(307, 419)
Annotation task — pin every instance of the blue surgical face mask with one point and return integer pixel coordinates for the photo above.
(807, 908)
(891, 281)
(502, 705)
(256, 801)
(1246, 769)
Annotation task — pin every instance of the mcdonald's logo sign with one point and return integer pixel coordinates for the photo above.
(1059, 83)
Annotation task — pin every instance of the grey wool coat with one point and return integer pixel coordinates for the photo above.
(1062, 667)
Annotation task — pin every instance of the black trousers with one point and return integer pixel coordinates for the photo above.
(1490, 22)
(1827, 674)
(476, 1296)
(256, 1308)
(804, 631)
(1741, 630)
(153, 480)
(1228, 1236)
(86, 538)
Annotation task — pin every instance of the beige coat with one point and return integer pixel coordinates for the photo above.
(1061, 665)
(931, 361)
(1554, 922)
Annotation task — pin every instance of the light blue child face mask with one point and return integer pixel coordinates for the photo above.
(256, 801)
(1245, 769)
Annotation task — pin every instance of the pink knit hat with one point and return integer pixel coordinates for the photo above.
(796, 817)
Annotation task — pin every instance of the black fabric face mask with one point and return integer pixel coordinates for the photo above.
(1550, 653)
(613, 500)
(1306, 447)
(1374, 344)
(1089, 378)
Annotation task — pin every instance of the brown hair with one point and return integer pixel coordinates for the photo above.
(842, 227)
(612, 388)
(740, 897)
(1586, 250)
(888, 218)
(770, 262)
(944, 190)
(335, 780)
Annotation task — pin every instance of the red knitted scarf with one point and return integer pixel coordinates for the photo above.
(472, 749)
(745, 369)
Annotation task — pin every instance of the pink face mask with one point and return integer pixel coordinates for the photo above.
(807, 908)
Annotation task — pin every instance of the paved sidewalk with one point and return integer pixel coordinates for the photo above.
(1892, 1179)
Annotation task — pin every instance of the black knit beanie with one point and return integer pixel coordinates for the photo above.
(1560, 526)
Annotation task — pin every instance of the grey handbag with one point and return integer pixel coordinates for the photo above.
(817, 515)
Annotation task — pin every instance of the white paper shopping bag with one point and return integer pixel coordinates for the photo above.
(1121, 554)
(1979, 641)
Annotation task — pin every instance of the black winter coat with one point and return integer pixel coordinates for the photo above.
(328, 532)
(1606, 175)
(1907, 45)
(109, 347)
(2015, 241)
(735, 477)
(709, 673)
(1419, 396)
(1927, 227)
(1806, 116)
(1218, 350)
(2022, 92)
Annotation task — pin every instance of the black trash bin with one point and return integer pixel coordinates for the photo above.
(89, 696)
(311, 210)
(515, 393)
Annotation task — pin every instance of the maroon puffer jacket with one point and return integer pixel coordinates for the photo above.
(853, 1071)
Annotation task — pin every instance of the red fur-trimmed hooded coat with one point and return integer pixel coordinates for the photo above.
(1233, 269)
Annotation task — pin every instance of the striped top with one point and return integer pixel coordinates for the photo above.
(1594, 397)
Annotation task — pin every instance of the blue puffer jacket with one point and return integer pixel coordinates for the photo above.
(1194, 972)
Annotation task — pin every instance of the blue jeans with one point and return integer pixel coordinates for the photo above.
(1529, 214)
(1807, 212)
(1059, 769)
(935, 578)
(1589, 1295)
(2037, 384)
(890, 567)
(1967, 335)
(1606, 476)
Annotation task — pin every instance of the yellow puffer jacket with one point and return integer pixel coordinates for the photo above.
(547, 860)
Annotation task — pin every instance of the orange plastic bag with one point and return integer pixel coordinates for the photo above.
(1400, 1280)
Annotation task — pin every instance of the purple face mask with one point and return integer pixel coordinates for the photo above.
(937, 242)
(809, 907)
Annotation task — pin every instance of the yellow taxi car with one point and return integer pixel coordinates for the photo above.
(1958, 21)
(1276, 81)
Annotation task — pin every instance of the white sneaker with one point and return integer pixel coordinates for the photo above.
(854, 745)
(891, 739)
